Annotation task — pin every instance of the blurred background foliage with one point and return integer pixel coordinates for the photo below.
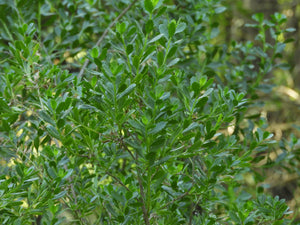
(65, 39)
(278, 100)
(282, 104)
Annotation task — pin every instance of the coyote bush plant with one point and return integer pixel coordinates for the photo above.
(135, 129)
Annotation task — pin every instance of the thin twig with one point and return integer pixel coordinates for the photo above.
(118, 180)
(143, 196)
(103, 36)
(174, 200)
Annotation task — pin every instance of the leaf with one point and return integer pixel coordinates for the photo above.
(149, 26)
(158, 127)
(121, 27)
(50, 171)
(196, 146)
(190, 127)
(151, 156)
(160, 58)
(66, 112)
(52, 131)
(157, 144)
(283, 66)
(168, 190)
(280, 47)
(172, 51)
(173, 62)
(196, 87)
(131, 32)
(220, 9)
(267, 135)
(3, 105)
(85, 106)
(117, 196)
(163, 160)
(59, 195)
(180, 27)
(36, 142)
(69, 173)
(111, 209)
(126, 91)
(156, 38)
(103, 54)
(107, 72)
(45, 117)
(163, 28)
(137, 125)
(16, 203)
(291, 29)
(136, 61)
(161, 11)
(172, 28)
(208, 92)
(94, 52)
(259, 17)
(148, 6)
(155, 2)
(32, 179)
(129, 49)
(200, 102)
(148, 53)
(19, 170)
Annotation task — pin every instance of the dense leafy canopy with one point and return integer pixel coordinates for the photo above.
(145, 118)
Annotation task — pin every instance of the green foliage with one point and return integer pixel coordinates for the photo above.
(143, 137)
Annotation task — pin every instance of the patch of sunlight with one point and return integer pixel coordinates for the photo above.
(294, 95)
(13, 161)
(56, 142)
(19, 133)
(89, 166)
(280, 37)
(2, 162)
(288, 12)
(120, 161)
(79, 55)
(25, 204)
(249, 178)
(57, 39)
(105, 181)
(29, 113)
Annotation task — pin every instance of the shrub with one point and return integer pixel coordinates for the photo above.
(150, 125)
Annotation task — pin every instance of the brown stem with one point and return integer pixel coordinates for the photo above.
(103, 36)
(143, 196)
(174, 200)
(118, 180)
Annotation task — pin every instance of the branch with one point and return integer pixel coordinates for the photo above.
(143, 196)
(118, 180)
(145, 211)
(175, 199)
(103, 36)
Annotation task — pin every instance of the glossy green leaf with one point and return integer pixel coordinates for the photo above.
(172, 28)
(52, 131)
(220, 9)
(180, 27)
(94, 52)
(126, 92)
(59, 195)
(46, 117)
(148, 5)
(158, 127)
(149, 26)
